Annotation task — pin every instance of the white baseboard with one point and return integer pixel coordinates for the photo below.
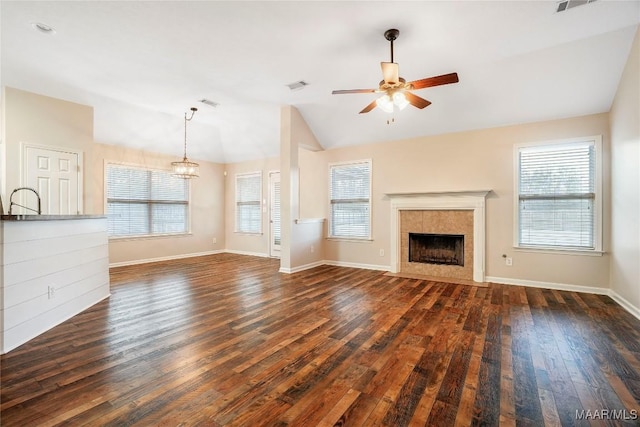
(258, 254)
(164, 258)
(301, 267)
(635, 311)
(336, 264)
(358, 265)
(548, 285)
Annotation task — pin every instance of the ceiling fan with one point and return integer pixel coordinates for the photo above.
(395, 89)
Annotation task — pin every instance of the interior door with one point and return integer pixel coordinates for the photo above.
(54, 174)
(274, 213)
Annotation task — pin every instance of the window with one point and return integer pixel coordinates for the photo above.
(559, 200)
(350, 204)
(248, 202)
(144, 202)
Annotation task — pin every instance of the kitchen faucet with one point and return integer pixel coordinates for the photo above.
(11, 202)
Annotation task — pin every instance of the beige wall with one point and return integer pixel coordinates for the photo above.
(207, 210)
(625, 182)
(314, 196)
(40, 120)
(475, 160)
(257, 244)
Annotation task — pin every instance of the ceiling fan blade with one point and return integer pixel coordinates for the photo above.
(337, 92)
(390, 72)
(369, 107)
(444, 79)
(416, 101)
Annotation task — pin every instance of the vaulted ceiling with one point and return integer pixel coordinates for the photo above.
(142, 65)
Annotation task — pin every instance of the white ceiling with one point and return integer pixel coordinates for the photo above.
(141, 65)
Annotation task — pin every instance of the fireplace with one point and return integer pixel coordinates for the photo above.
(457, 213)
(444, 249)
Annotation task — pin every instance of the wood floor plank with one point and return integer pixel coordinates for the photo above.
(228, 340)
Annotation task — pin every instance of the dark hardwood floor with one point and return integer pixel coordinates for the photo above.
(227, 340)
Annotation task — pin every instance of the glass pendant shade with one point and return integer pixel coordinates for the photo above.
(385, 103)
(400, 100)
(185, 169)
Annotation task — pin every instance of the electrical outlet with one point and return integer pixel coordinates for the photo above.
(381, 252)
(312, 248)
(215, 240)
(51, 292)
(508, 261)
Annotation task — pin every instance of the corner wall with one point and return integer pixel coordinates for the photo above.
(625, 185)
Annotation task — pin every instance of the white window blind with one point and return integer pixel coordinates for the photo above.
(557, 195)
(248, 202)
(350, 210)
(143, 202)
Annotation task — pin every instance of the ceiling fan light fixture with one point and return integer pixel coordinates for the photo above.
(185, 168)
(400, 100)
(397, 91)
(385, 103)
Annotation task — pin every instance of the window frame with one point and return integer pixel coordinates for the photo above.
(259, 202)
(125, 165)
(369, 237)
(597, 250)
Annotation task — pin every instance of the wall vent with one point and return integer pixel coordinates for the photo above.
(209, 102)
(297, 85)
(570, 4)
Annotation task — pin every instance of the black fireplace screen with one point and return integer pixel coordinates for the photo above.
(445, 249)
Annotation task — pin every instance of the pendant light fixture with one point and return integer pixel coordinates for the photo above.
(185, 168)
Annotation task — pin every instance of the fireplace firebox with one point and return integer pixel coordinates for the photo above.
(447, 249)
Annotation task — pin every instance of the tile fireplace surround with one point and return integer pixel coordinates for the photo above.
(459, 212)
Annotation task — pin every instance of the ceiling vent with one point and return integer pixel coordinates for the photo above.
(209, 102)
(297, 85)
(570, 4)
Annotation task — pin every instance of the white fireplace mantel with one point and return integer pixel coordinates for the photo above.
(445, 200)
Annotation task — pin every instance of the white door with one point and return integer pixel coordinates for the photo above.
(274, 213)
(54, 174)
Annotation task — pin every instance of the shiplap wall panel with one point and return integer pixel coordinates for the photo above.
(23, 312)
(19, 272)
(72, 256)
(48, 247)
(27, 330)
(37, 230)
(25, 291)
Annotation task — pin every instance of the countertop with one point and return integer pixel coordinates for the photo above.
(47, 217)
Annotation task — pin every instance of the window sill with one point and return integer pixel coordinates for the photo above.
(149, 236)
(559, 251)
(350, 239)
(246, 233)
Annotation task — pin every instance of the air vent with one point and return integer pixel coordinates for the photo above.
(297, 85)
(209, 102)
(570, 4)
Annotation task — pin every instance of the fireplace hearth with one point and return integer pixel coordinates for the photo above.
(444, 249)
